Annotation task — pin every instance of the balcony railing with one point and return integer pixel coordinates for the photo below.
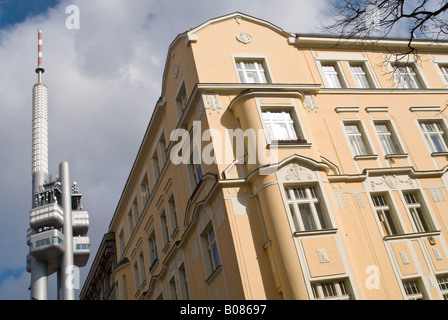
(47, 215)
(81, 250)
(46, 244)
(80, 222)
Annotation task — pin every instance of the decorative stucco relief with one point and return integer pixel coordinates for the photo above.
(388, 182)
(296, 173)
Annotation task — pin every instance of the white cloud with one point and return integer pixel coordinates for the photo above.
(103, 82)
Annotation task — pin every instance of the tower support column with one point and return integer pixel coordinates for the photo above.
(67, 265)
(39, 280)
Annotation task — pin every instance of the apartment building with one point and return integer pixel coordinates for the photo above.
(292, 166)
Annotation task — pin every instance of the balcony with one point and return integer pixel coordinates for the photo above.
(80, 222)
(47, 215)
(47, 246)
(81, 250)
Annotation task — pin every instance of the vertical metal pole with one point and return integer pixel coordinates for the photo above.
(67, 268)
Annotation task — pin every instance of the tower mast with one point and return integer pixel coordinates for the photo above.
(57, 236)
(39, 269)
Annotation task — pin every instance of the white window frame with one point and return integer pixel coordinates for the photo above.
(442, 134)
(210, 250)
(292, 109)
(442, 281)
(413, 289)
(141, 263)
(124, 287)
(441, 61)
(327, 76)
(318, 213)
(290, 125)
(444, 72)
(352, 138)
(173, 288)
(195, 172)
(389, 137)
(164, 228)
(155, 165)
(385, 214)
(418, 211)
(172, 210)
(136, 272)
(183, 282)
(145, 189)
(181, 98)
(412, 71)
(121, 241)
(250, 58)
(153, 250)
(334, 289)
(361, 78)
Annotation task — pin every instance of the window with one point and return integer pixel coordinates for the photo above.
(418, 213)
(183, 283)
(162, 147)
(135, 211)
(181, 99)
(211, 254)
(136, 277)
(332, 75)
(444, 70)
(443, 285)
(356, 139)
(336, 290)
(145, 190)
(387, 218)
(280, 125)
(58, 240)
(173, 290)
(406, 76)
(121, 242)
(388, 138)
(153, 253)
(360, 76)
(82, 246)
(251, 71)
(413, 289)
(133, 216)
(155, 165)
(434, 135)
(173, 213)
(125, 288)
(305, 209)
(142, 269)
(195, 168)
(164, 226)
(130, 222)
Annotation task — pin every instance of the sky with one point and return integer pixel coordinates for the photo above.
(104, 77)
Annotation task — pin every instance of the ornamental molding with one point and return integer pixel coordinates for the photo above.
(310, 103)
(244, 37)
(208, 102)
(176, 70)
(296, 173)
(390, 182)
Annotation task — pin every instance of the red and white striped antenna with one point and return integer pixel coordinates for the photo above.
(40, 69)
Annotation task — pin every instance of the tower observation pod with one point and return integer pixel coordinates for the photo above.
(57, 236)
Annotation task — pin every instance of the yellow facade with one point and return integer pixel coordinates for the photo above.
(356, 206)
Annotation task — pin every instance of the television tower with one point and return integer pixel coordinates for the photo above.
(58, 223)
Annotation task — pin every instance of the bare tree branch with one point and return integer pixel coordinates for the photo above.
(373, 20)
